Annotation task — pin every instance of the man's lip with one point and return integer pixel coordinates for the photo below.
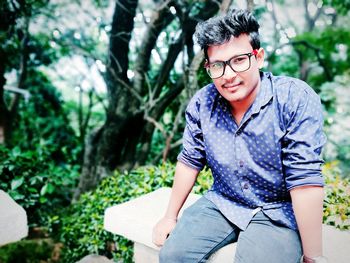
(231, 86)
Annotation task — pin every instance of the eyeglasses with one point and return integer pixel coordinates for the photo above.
(239, 63)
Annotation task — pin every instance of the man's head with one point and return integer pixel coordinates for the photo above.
(233, 56)
(220, 29)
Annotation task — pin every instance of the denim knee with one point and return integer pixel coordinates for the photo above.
(171, 253)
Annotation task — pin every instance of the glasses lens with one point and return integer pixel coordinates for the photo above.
(240, 63)
(215, 70)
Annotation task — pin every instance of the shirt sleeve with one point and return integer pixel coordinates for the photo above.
(193, 152)
(304, 138)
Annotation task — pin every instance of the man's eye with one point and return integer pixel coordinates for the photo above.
(216, 65)
(238, 60)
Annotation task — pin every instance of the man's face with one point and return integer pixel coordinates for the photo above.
(242, 87)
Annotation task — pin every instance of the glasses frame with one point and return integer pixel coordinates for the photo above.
(227, 63)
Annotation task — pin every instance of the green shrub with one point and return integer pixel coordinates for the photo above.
(35, 183)
(42, 124)
(81, 228)
(336, 209)
(27, 251)
(39, 166)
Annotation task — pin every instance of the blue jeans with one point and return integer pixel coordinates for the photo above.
(202, 230)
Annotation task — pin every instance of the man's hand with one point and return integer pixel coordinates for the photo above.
(184, 180)
(162, 230)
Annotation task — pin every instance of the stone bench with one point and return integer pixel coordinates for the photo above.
(135, 219)
(13, 220)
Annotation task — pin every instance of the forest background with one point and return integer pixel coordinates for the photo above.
(92, 99)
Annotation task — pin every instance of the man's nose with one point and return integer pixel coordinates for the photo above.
(229, 72)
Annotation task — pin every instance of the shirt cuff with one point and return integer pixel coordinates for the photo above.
(197, 165)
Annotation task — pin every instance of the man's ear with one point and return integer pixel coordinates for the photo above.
(260, 57)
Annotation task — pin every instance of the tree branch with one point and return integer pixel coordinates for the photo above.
(173, 131)
(174, 50)
(122, 25)
(316, 49)
(161, 17)
(311, 20)
(125, 85)
(23, 67)
(156, 124)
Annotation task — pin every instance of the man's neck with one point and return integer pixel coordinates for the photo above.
(239, 108)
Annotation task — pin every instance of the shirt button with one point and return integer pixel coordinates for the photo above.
(241, 163)
(245, 186)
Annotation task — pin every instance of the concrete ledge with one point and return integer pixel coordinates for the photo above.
(136, 218)
(13, 220)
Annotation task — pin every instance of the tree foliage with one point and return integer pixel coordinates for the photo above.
(14, 53)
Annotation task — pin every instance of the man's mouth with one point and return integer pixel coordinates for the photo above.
(232, 87)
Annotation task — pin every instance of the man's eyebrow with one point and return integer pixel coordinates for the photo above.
(217, 60)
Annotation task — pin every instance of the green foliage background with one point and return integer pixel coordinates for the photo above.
(80, 227)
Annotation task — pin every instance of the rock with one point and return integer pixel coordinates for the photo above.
(13, 220)
(94, 259)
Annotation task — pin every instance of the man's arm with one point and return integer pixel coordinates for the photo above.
(308, 209)
(184, 179)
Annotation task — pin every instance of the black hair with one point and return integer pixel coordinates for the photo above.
(218, 30)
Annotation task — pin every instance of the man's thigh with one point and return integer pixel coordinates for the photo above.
(201, 230)
(266, 242)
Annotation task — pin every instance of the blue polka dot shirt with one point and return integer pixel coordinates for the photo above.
(275, 148)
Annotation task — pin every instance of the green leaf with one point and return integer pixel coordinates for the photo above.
(42, 199)
(10, 167)
(48, 188)
(16, 196)
(32, 190)
(16, 151)
(17, 182)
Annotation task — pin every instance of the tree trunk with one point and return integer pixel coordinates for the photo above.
(3, 108)
(125, 139)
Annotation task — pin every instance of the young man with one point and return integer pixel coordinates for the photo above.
(261, 136)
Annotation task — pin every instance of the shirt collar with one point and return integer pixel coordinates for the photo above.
(264, 94)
